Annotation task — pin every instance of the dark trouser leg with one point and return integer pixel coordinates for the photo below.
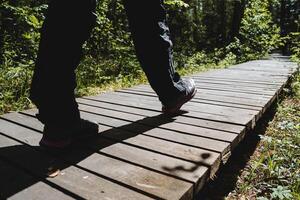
(67, 25)
(151, 37)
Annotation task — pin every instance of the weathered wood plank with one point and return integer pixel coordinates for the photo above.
(243, 75)
(201, 91)
(233, 100)
(147, 181)
(234, 81)
(244, 101)
(202, 111)
(145, 109)
(211, 99)
(125, 150)
(133, 137)
(227, 104)
(217, 141)
(231, 88)
(74, 182)
(16, 184)
(197, 106)
(242, 95)
(178, 150)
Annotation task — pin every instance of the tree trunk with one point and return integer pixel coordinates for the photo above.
(238, 13)
(283, 28)
(222, 25)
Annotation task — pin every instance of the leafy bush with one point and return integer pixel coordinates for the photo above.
(258, 35)
(294, 40)
(201, 32)
(19, 32)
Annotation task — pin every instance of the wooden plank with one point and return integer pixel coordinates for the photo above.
(270, 67)
(240, 83)
(202, 92)
(133, 137)
(184, 117)
(265, 100)
(266, 89)
(268, 75)
(226, 77)
(273, 64)
(172, 149)
(219, 146)
(219, 96)
(181, 133)
(74, 182)
(149, 183)
(15, 184)
(147, 110)
(245, 76)
(237, 89)
(270, 100)
(227, 104)
(211, 99)
(234, 81)
(203, 111)
(231, 94)
(205, 139)
(212, 91)
(124, 150)
(237, 75)
(235, 100)
(262, 69)
(276, 73)
(230, 88)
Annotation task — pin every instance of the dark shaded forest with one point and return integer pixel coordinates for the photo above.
(206, 33)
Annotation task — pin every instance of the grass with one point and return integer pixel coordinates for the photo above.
(273, 171)
(95, 76)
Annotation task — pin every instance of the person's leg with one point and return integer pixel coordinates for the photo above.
(67, 25)
(151, 36)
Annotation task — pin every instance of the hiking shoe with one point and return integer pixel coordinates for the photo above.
(51, 139)
(174, 107)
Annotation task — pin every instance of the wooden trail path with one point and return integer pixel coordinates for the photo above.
(140, 153)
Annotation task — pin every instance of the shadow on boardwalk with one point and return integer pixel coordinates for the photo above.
(36, 164)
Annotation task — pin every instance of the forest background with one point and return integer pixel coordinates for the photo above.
(206, 34)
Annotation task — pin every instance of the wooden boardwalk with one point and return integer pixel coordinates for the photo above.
(139, 153)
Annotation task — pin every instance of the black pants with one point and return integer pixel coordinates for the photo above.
(67, 25)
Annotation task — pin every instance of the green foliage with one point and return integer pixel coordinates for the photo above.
(14, 86)
(175, 4)
(19, 33)
(258, 35)
(295, 87)
(201, 31)
(294, 41)
(281, 193)
(20, 22)
(274, 170)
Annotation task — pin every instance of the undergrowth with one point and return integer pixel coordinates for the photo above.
(98, 75)
(274, 169)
